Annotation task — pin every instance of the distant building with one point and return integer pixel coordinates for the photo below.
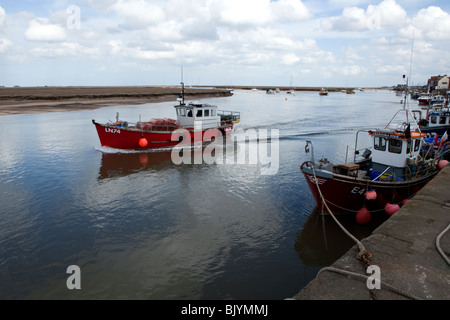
(438, 84)
(442, 83)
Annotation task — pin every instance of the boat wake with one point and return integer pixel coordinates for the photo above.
(303, 135)
(109, 150)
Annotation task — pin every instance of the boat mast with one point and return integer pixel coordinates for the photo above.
(407, 79)
(182, 88)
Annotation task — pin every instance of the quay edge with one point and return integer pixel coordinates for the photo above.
(405, 250)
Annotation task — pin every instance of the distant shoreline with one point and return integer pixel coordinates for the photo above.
(21, 100)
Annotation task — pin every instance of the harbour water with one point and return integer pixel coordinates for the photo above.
(141, 227)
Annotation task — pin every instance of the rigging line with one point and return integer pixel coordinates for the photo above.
(411, 61)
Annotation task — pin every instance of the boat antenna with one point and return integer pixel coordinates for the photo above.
(182, 88)
(406, 91)
(407, 80)
(412, 52)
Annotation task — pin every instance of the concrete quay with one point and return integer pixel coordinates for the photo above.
(405, 250)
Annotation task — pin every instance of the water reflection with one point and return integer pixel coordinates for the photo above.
(115, 165)
(321, 241)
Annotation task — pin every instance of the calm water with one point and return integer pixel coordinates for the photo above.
(141, 227)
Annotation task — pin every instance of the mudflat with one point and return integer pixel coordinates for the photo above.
(18, 100)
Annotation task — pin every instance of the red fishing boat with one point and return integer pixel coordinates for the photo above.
(424, 100)
(381, 177)
(194, 123)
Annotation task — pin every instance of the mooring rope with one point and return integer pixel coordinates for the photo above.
(438, 245)
(365, 277)
(361, 247)
(363, 254)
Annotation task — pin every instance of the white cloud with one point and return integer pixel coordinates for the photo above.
(241, 12)
(353, 70)
(116, 46)
(65, 49)
(351, 54)
(4, 45)
(290, 58)
(432, 23)
(2, 17)
(258, 12)
(167, 32)
(41, 30)
(387, 14)
(290, 10)
(138, 13)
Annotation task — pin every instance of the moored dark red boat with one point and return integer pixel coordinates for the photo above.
(388, 173)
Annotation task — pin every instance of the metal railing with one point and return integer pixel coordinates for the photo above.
(228, 116)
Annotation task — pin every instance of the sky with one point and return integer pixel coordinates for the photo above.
(325, 43)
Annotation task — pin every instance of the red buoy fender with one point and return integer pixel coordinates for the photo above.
(363, 216)
(391, 208)
(442, 164)
(371, 195)
(143, 142)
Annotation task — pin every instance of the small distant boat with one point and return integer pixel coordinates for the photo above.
(438, 101)
(415, 95)
(424, 100)
(323, 92)
(291, 91)
(270, 91)
(200, 122)
(435, 120)
(350, 91)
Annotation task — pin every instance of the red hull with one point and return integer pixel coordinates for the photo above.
(128, 138)
(347, 195)
(424, 102)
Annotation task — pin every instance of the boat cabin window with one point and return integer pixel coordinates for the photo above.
(408, 147)
(433, 119)
(380, 144)
(395, 146)
(189, 114)
(199, 113)
(181, 112)
(416, 145)
(213, 112)
(207, 113)
(442, 120)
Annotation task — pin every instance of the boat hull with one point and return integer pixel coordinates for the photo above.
(424, 101)
(346, 195)
(128, 138)
(440, 130)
